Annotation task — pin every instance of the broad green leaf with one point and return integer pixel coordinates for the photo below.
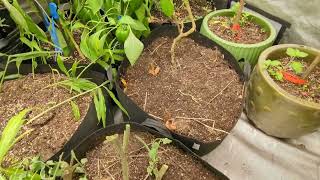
(133, 48)
(75, 110)
(94, 5)
(84, 46)
(77, 25)
(141, 13)
(279, 76)
(296, 53)
(16, 15)
(134, 24)
(275, 63)
(10, 132)
(61, 66)
(167, 7)
(297, 67)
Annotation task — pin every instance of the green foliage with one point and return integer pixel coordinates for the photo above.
(10, 132)
(167, 7)
(153, 154)
(75, 110)
(296, 53)
(274, 68)
(297, 67)
(133, 53)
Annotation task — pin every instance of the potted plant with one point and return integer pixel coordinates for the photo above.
(244, 34)
(195, 90)
(65, 105)
(132, 151)
(283, 97)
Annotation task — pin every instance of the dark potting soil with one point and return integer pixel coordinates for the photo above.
(103, 162)
(204, 97)
(52, 130)
(309, 91)
(250, 33)
(199, 8)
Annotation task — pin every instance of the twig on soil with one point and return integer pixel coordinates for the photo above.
(312, 66)
(155, 49)
(204, 119)
(210, 128)
(192, 97)
(221, 91)
(156, 117)
(145, 101)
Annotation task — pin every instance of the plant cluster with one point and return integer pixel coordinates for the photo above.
(279, 71)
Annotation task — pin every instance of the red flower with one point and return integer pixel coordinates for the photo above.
(293, 78)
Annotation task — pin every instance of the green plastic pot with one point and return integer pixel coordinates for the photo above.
(250, 52)
(271, 108)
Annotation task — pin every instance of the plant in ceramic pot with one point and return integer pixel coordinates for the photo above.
(244, 34)
(283, 97)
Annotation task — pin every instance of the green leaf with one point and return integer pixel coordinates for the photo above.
(74, 68)
(10, 132)
(77, 25)
(141, 13)
(102, 107)
(113, 97)
(61, 66)
(297, 67)
(275, 63)
(133, 48)
(94, 5)
(75, 110)
(12, 76)
(165, 140)
(134, 24)
(296, 53)
(279, 76)
(167, 7)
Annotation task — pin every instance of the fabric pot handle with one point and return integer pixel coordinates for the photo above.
(151, 123)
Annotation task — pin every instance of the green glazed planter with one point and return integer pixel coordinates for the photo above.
(271, 108)
(250, 52)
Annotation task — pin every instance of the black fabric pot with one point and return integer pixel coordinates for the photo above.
(90, 122)
(138, 115)
(99, 136)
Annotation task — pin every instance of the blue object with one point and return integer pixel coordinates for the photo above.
(51, 27)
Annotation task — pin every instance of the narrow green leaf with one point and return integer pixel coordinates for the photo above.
(133, 48)
(74, 68)
(113, 97)
(75, 110)
(102, 107)
(12, 76)
(96, 104)
(94, 5)
(10, 132)
(61, 66)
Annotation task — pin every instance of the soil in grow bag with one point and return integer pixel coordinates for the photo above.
(199, 8)
(51, 131)
(104, 162)
(308, 89)
(201, 100)
(249, 33)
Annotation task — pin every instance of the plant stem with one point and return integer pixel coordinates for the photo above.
(124, 158)
(181, 33)
(4, 73)
(312, 66)
(239, 13)
(162, 171)
(63, 102)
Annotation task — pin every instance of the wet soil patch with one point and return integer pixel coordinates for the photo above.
(51, 131)
(250, 33)
(203, 98)
(309, 91)
(103, 162)
(199, 8)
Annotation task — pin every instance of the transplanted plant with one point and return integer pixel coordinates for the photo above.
(167, 7)
(281, 71)
(154, 158)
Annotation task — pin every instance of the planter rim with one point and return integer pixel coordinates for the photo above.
(265, 42)
(265, 75)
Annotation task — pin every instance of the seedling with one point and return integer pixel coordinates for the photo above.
(279, 71)
(2, 24)
(153, 157)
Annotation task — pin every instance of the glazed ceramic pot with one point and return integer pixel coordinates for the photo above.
(271, 108)
(249, 52)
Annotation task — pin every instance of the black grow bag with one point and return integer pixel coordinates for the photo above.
(100, 135)
(90, 122)
(136, 114)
